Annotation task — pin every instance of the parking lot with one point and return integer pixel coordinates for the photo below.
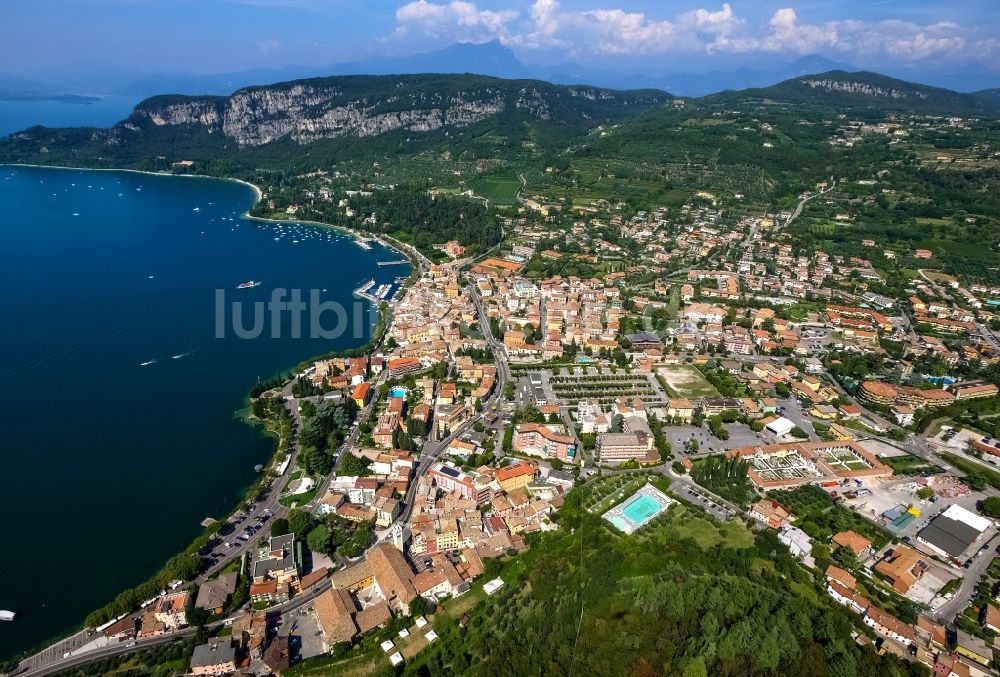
(304, 625)
(694, 494)
(678, 435)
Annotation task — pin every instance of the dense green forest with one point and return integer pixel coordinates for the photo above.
(679, 597)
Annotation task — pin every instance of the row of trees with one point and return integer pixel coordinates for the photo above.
(322, 432)
(725, 477)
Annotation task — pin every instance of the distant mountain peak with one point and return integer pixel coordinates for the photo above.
(864, 84)
(863, 89)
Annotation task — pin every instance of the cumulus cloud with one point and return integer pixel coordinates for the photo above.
(614, 31)
(457, 20)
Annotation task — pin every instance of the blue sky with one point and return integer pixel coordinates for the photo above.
(213, 36)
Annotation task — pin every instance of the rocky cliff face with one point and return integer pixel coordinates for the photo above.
(864, 88)
(308, 111)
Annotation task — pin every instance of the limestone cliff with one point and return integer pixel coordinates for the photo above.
(363, 106)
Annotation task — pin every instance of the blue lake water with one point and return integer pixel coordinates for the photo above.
(106, 111)
(109, 466)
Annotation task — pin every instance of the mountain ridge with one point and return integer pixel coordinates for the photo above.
(863, 89)
(349, 116)
(335, 115)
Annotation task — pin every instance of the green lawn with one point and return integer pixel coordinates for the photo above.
(499, 189)
(687, 381)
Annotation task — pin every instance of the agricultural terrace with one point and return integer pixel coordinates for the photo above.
(686, 381)
(604, 388)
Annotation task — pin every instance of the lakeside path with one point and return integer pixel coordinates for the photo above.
(85, 645)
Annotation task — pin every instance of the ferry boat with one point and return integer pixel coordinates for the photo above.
(249, 284)
(6, 615)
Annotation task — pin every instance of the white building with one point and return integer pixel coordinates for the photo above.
(780, 426)
(797, 541)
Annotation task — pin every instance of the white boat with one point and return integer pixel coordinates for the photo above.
(147, 363)
(6, 615)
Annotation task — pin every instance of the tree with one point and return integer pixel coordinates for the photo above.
(194, 616)
(977, 481)
(696, 668)
(319, 539)
(821, 553)
(352, 465)
(279, 527)
(926, 492)
(421, 607)
(415, 427)
(300, 523)
(991, 506)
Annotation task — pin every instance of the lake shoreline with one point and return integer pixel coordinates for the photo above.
(397, 247)
(377, 335)
(256, 189)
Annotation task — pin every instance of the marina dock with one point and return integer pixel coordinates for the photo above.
(374, 296)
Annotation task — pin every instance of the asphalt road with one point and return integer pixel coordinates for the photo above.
(967, 590)
(140, 644)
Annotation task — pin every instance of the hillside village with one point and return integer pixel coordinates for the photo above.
(693, 360)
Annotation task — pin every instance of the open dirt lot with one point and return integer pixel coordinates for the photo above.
(687, 381)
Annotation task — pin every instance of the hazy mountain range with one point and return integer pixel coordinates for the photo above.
(490, 58)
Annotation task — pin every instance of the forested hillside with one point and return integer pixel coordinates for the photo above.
(859, 91)
(682, 597)
(292, 125)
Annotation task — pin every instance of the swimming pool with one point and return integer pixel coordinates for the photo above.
(642, 509)
(638, 509)
(397, 392)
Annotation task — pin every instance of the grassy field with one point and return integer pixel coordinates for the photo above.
(687, 381)
(499, 188)
(685, 522)
(911, 465)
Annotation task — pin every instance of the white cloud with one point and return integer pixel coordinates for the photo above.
(614, 31)
(457, 20)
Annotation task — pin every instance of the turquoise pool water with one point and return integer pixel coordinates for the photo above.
(642, 509)
(397, 392)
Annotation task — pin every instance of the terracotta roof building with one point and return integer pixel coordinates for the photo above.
(859, 545)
